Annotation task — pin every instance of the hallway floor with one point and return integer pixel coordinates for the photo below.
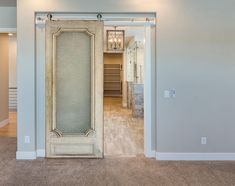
(123, 134)
(128, 171)
(10, 130)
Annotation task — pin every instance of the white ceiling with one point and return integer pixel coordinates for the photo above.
(7, 3)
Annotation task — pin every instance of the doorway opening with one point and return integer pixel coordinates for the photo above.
(124, 91)
(8, 88)
(117, 90)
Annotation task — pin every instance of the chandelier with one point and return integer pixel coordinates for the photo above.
(115, 40)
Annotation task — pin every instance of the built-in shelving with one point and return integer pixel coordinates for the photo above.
(12, 98)
(112, 80)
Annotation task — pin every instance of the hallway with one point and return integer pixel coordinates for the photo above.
(123, 134)
(10, 130)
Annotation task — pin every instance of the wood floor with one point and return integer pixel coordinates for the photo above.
(123, 134)
(10, 130)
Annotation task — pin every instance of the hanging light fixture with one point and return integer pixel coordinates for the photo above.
(115, 40)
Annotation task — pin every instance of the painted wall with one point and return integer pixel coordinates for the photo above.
(12, 73)
(4, 70)
(8, 3)
(12, 61)
(7, 18)
(195, 55)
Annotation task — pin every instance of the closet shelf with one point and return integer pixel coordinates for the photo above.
(112, 89)
(112, 80)
(112, 68)
(112, 74)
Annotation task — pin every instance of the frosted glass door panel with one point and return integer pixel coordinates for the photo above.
(73, 82)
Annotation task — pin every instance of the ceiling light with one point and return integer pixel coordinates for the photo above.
(115, 40)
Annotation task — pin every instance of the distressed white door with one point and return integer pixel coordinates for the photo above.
(74, 89)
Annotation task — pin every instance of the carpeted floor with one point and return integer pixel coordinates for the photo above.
(137, 171)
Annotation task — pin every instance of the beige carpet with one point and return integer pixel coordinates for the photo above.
(109, 171)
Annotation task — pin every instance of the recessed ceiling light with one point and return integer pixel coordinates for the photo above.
(10, 34)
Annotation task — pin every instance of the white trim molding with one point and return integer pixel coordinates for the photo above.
(4, 122)
(148, 112)
(25, 155)
(41, 153)
(195, 156)
(151, 154)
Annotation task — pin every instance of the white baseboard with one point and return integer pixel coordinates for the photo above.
(25, 155)
(41, 153)
(151, 154)
(4, 122)
(195, 156)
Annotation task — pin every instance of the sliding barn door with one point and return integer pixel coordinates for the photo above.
(74, 89)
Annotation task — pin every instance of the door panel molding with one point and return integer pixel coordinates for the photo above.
(90, 142)
(55, 35)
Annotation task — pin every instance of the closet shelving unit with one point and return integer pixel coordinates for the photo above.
(113, 80)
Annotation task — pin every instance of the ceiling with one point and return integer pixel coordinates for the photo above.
(7, 3)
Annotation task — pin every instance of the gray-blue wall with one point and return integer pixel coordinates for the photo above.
(195, 56)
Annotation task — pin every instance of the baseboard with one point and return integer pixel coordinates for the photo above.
(151, 154)
(195, 156)
(25, 155)
(41, 153)
(4, 122)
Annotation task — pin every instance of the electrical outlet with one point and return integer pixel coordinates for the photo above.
(203, 140)
(27, 139)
